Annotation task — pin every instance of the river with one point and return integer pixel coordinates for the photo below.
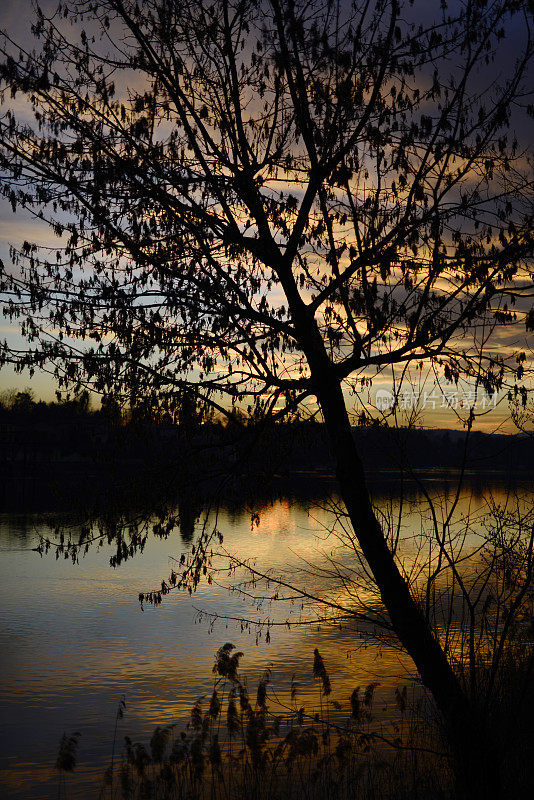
(74, 638)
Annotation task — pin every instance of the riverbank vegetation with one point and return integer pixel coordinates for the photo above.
(270, 743)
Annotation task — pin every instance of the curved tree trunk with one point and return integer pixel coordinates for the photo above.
(475, 759)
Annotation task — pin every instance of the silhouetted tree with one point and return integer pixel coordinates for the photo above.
(23, 402)
(263, 201)
(110, 408)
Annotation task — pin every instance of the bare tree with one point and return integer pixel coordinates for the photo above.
(265, 201)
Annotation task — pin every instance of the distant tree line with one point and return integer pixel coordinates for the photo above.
(36, 431)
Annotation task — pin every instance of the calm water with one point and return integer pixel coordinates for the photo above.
(74, 638)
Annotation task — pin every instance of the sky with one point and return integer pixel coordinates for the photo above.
(436, 406)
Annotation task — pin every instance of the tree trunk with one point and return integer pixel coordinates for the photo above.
(475, 760)
(474, 756)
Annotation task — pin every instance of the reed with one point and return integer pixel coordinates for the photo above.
(273, 749)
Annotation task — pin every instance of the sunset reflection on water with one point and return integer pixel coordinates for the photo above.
(74, 638)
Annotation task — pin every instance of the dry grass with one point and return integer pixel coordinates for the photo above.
(264, 745)
(238, 747)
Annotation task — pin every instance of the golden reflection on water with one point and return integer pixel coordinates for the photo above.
(74, 638)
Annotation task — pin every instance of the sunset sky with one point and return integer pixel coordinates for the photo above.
(439, 405)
